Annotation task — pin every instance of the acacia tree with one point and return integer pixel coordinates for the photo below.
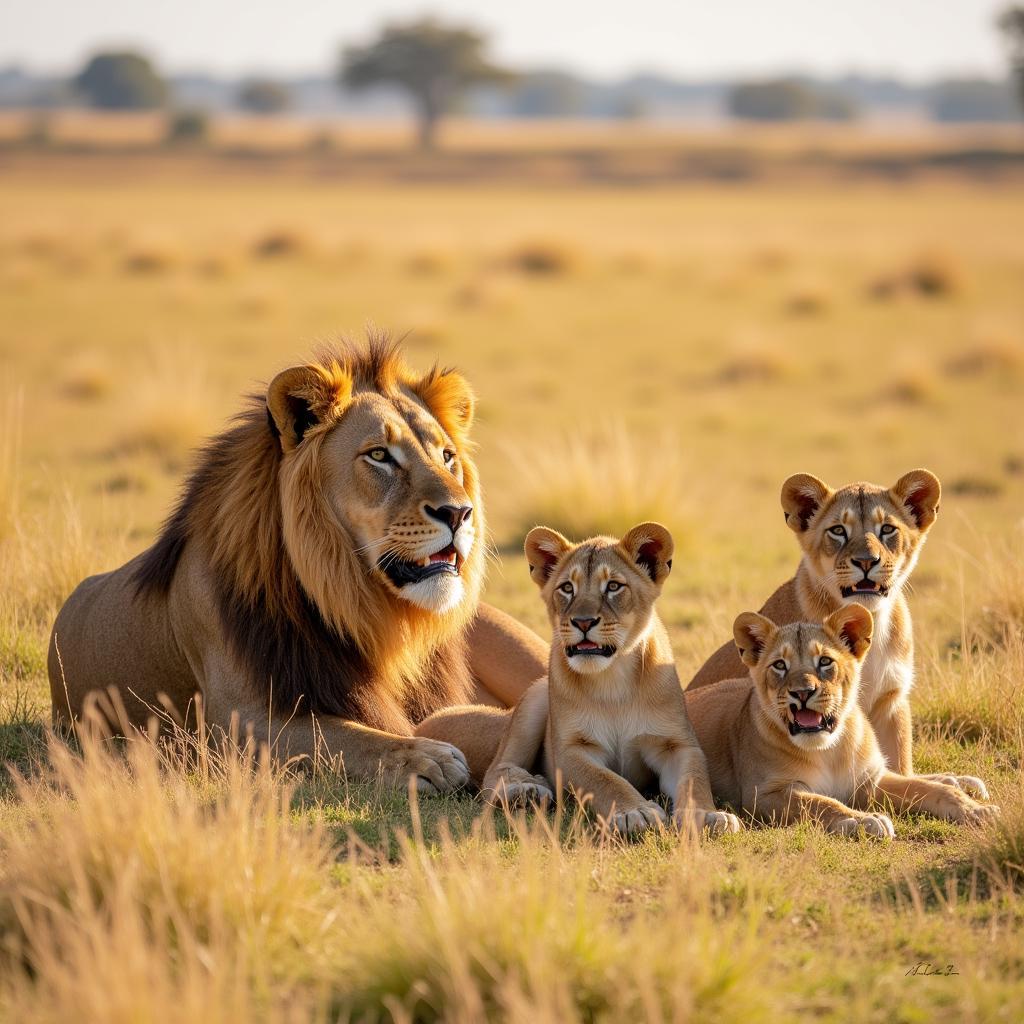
(1011, 22)
(121, 81)
(433, 62)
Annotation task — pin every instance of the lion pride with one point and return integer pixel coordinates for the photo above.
(318, 583)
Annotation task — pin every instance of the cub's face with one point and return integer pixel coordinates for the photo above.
(862, 541)
(600, 593)
(806, 675)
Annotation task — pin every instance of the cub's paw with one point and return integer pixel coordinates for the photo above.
(720, 823)
(969, 784)
(978, 814)
(638, 819)
(516, 787)
(694, 821)
(438, 767)
(877, 826)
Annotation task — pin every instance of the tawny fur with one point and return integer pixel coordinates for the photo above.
(839, 779)
(261, 594)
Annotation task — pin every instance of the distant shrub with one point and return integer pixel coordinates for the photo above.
(787, 99)
(264, 96)
(972, 99)
(933, 274)
(280, 242)
(988, 354)
(188, 127)
(544, 256)
(122, 81)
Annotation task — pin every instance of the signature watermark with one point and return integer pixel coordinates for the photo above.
(932, 970)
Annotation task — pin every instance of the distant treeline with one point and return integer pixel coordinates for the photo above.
(559, 94)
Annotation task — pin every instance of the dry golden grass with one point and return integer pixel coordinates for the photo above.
(676, 382)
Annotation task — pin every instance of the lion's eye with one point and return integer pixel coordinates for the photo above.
(566, 588)
(613, 585)
(779, 666)
(887, 530)
(824, 661)
(837, 531)
(449, 456)
(381, 455)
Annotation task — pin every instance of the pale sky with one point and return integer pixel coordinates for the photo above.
(682, 38)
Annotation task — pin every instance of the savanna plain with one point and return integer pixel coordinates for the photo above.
(671, 352)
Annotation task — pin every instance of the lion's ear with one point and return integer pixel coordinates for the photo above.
(544, 548)
(450, 398)
(304, 396)
(852, 625)
(802, 496)
(918, 492)
(753, 634)
(650, 546)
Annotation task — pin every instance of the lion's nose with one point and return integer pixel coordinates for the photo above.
(866, 563)
(451, 515)
(584, 624)
(803, 695)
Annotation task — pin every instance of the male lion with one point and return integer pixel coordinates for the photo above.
(318, 581)
(797, 746)
(860, 544)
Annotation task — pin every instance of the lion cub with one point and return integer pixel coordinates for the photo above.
(610, 717)
(797, 745)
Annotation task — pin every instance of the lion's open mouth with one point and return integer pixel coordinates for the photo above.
(809, 720)
(402, 571)
(589, 648)
(865, 587)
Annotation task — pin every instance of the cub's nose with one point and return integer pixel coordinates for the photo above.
(867, 564)
(584, 624)
(803, 695)
(452, 516)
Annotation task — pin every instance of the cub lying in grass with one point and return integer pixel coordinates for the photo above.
(611, 715)
(797, 745)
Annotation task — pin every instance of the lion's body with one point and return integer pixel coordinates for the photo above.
(319, 595)
(610, 721)
(833, 772)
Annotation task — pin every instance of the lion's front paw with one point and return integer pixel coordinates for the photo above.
(516, 787)
(438, 767)
(969, 784)
(878, 826)
(720, 823)
(637, 819)
(979, 814)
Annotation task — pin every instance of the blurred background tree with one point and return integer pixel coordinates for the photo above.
(788, 99)
(121, 81)
(264, 96)
(1011, 24)
(433, 62)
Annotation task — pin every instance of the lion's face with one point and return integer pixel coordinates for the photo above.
(862, 541)
(377, 479)
(805, 675)
(397, 483)
(599, 594)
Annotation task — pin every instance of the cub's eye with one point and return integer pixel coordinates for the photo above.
(381, 455)
(887, 530)
(566, 588)
(779, 666)
(613, 585)
(837, 531)
(449, 456)
(824, 661)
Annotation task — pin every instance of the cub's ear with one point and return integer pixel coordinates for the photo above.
(303, 397)
(802, 496)
(852, 625)
(753, 634)
(919, 492)
(651, 546)
(450, 399)
(544, 549)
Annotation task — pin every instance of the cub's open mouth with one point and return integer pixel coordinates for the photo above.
(865, 588)
(402, 571)
(589, 648)
(808, 720)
